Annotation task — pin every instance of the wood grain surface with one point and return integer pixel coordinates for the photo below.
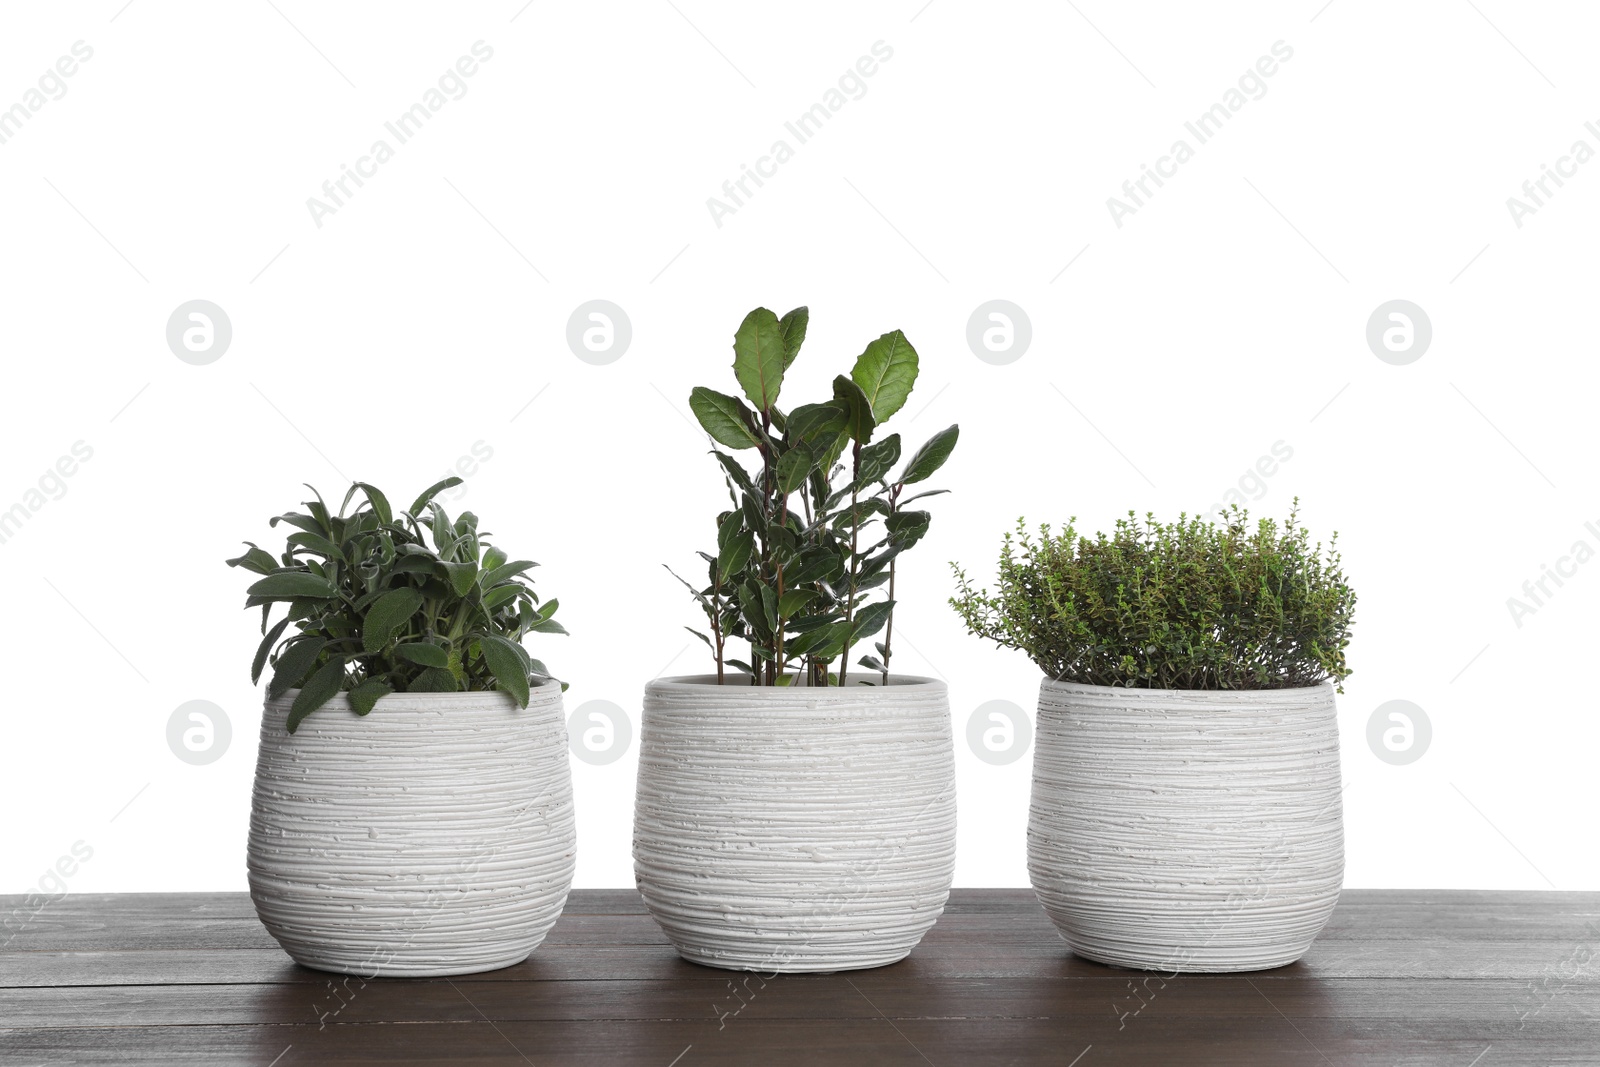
(1456, 979)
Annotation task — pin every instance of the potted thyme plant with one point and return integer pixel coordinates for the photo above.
(795, 810)
(413, 810)
(1186, 796)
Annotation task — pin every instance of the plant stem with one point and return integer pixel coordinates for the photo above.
(888, 626)
(855, 530)
(716, 621)
(783, 520)
(810, 661)
(770, 562)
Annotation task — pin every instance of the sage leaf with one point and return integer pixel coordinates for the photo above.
(320, 688)
(423, 653)
(510, 669)
(434, 680)
(294, 664)
(255, 559)
(495, 575)
(463, 576)
(366, 588)
(295, 519)
(288, 585)
(388, 614)
(264, 649)
(364, 696)
(318, 544)
(380, 506)
(501, 595)
(432, 491)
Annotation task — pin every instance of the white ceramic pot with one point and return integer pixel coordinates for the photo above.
(1186, 830)
(433, 836)
(795, 829)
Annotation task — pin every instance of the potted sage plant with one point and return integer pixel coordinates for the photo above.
(413, 809)
(1186, 796)
(795, 809)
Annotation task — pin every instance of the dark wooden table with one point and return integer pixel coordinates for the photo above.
(1456, 979)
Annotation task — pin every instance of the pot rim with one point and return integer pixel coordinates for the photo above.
(1243, 696)
(483, 696)
(898, 683)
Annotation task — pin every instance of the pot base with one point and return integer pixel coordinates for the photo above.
(410, 969)
(1178, 959)
(761, 963)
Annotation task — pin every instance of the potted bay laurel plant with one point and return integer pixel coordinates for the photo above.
(796, 810)
(413, 811)
(1186, 797)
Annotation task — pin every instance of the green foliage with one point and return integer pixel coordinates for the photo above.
(377, 609)
(1187, 605)
(819, 525)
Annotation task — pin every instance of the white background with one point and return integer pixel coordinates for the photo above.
(1228, 314)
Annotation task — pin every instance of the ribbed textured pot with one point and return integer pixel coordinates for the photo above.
(1186, 830)
(433, 836)
(795, 829)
